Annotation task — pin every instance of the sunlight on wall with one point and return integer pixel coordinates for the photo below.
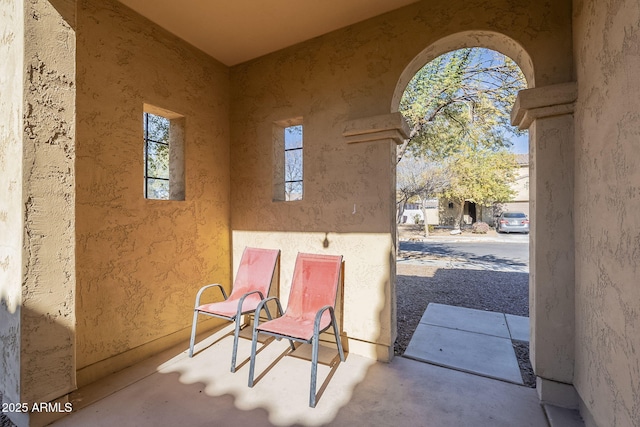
(365, 311)
(11, 112)
(9, 292)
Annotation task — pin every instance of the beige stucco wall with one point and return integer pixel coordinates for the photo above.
(37, 312)
(607, 377)
(39, 172)
(140, 262)
(11, 212)
(48, 288)
(521, 185)
(350, 74)
(551, 250)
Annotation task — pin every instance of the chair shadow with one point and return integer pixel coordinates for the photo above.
(245, 333)
(303, 351)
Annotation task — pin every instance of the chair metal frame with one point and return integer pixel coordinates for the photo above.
(314, 340)
(236, 318)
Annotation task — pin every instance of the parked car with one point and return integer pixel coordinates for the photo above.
(512, 222)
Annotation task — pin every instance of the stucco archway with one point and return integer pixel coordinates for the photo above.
(547, 113)
(486, 39)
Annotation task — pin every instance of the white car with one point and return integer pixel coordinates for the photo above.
(512, 222)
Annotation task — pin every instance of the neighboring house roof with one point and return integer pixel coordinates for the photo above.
(522, 159)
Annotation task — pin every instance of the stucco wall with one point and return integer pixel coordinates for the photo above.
(11, 212)
(350, 74)
(48, 288)
(140, 262)
(521, 186)
(607, 377)
(37, 312)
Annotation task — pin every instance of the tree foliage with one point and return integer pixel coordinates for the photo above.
(458, 108)
(462, 98)
(482, 176)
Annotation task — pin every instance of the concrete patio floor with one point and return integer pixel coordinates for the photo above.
(469, 340)
(172, 389)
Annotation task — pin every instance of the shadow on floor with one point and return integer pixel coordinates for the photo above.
(202, 392)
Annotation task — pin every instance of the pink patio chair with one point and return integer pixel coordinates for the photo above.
(251, 286)
(310, 310)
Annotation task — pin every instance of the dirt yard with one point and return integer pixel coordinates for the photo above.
(419, 285)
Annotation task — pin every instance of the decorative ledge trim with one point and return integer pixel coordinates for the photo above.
(546, 101)
(384, 127)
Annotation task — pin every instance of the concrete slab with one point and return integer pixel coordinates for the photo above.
(201, 392)
(480, 354)
(563, 417)
(518, 327)
(466, 319)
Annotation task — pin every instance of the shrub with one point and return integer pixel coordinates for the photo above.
(480, 228)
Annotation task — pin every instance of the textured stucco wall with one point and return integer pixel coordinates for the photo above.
(11, 212)
(48, 289)
(551, 263)
(350, 74)
(140, 262)
(607, 43)
(37, 313)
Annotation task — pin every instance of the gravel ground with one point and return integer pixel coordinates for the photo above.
(419, 285)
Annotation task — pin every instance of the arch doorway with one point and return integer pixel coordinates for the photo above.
(515, 283)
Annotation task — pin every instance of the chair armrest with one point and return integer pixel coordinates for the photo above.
(241, 301)
(256, 316)
(316, 323)
(202, 289)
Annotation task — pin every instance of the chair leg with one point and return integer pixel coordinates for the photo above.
(235, 343)
(338, 340)
(193, 332)
(252, 363)
(314, 373)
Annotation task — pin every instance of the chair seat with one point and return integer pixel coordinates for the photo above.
(229, 307)
(295, 326)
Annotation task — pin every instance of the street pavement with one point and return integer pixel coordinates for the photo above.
(509, 253)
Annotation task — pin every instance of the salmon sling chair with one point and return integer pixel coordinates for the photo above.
(251, 286)
(310, 310)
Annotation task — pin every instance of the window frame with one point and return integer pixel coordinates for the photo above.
(176, 158)
(147, 140)
(280, 179)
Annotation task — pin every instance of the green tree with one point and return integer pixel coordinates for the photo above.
(458, 108)
(462, 98)
(480, 175)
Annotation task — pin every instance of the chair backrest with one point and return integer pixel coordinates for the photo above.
(255, 272)
(314, 285)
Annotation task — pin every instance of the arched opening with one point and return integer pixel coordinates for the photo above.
(489, 277)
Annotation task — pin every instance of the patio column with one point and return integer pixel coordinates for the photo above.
(547, 112)
(392, 130)
(37, 220)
